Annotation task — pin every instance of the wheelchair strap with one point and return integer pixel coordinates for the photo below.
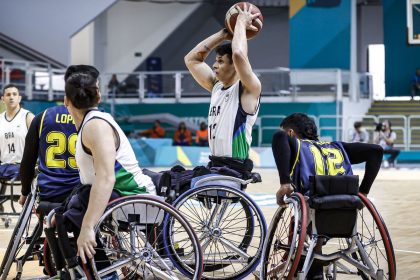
(242, 166)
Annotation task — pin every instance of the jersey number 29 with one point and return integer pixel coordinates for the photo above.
(59, 145)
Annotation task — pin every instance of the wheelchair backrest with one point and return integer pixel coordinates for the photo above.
(335, 201)
(322, 185)
(216, 180)
(140, 213)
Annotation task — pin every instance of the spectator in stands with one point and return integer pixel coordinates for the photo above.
(359, 134)
(415, 84)
(385, 137)
(201, 135)
(182, 136)
(155, 132)
(113, 85)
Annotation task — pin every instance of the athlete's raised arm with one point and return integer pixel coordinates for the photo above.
(250, 82)
(194, 60)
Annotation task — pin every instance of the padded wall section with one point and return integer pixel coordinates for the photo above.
(319, 35)
(401, 59)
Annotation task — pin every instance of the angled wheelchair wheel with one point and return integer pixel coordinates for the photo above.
(131, 242)
(230, 227)
(26, 227)
(378, 252)
(285, 242)
(49, 265)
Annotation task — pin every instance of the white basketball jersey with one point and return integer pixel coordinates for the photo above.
(129, 178)
(230, 127)
(12, 137)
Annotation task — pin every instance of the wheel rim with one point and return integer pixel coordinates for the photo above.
(224, 218)
(131, 237)
(374, 236)
(285, 241)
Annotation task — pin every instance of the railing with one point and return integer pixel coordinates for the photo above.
(274, 125)
(332, 127)
(413, 126)
(35, 80)
(40, 81)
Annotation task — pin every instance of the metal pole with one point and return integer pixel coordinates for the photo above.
(113, 101)
(50, 84)
(178, 88)
(353, 51)
(28, 83)
(141, 87)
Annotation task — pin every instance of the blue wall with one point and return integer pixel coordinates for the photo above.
(319, 36)
(401, 59)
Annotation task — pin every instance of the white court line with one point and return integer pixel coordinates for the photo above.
(407, 251)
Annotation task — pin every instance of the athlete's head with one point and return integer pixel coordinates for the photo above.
(11, 96)
(301, 126)
(81, 68)
(223, 66)
(82, 89)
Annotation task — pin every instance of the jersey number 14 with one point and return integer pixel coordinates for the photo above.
(11, 148)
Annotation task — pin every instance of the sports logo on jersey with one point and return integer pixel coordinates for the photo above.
(227, 97)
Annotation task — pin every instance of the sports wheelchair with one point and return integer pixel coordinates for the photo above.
(229, 224)
(15, 208)
(131, 243)
(26, 242)
(354, 236)
(129, 236)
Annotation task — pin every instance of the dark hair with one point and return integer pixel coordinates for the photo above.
(303, 126)
(225, 49)
(389, 125)
(157, 121)
(357, 125)
(82, 90)
(9, 86)
(81, 68)
(182, 124)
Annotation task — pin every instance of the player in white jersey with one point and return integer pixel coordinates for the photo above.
(14, 123)
(235, 89)
(103, 154)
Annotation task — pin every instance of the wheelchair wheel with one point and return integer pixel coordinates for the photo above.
(285, 242)
(376, 242)
(49, 265)
(20, 237)
(230, 227)
(131, 241)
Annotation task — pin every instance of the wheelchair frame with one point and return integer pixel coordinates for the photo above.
(144, 256)
(18, 240)
(354, 254)
(214, 188)
(11, 183)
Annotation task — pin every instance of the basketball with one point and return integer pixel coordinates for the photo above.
(232, 14)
